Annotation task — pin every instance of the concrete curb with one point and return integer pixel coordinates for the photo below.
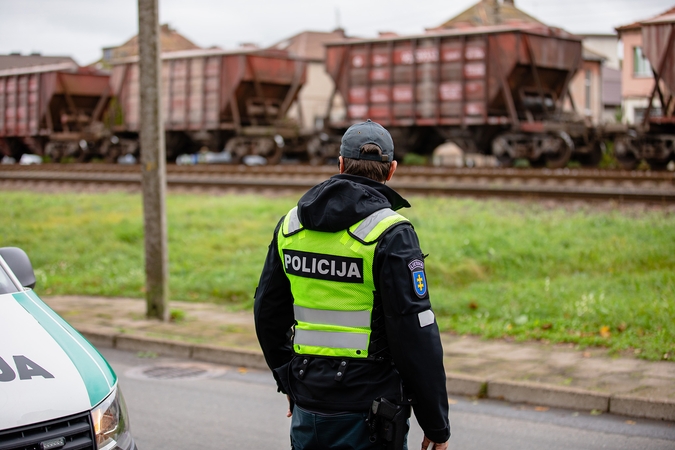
(204, 353)
(649, 408)
(468, 385)
(457, 384)
(546, 395)
(161, 347)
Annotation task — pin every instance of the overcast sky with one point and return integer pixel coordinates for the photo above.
(80, 28)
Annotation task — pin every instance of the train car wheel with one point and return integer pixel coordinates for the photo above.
(315, 151)
(593, 157)
(658, 164)
(268, 149)
(501, 149)
(560, 156)
(627, 161)
(505, 160)
(110, 152)
(625, 153)
(538, 163)
(237, 148)
(4, 148)
(322, 150)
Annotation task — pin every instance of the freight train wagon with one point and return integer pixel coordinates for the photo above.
(51, 107)
(215, 100)
(654, 138)
(496, 89)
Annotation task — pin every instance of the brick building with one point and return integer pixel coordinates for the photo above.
(169, 40)
(637, 78)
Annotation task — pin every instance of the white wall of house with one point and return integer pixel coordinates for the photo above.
(635, 107)
(314, 97)
(606, 45)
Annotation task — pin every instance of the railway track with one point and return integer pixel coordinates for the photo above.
(591, 184)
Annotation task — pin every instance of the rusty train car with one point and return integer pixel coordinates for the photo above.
(495, 90)
(499, 90)
(214, 100)
(654, 138)
(52, 108)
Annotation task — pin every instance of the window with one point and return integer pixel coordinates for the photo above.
(641, 67)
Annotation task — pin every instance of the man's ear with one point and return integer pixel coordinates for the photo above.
(341, 164)
(392, 169)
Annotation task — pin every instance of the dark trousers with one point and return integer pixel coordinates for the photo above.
(343, 431)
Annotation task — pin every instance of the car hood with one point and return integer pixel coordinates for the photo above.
(47, 369)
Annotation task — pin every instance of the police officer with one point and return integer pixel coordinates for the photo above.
(342, 310)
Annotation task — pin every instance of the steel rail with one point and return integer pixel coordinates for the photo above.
(662, 177)
(494, 186)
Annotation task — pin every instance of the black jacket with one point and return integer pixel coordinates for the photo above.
(402, 352)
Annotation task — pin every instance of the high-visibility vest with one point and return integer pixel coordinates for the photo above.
(331, 277)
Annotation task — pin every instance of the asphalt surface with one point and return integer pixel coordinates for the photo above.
(543, 375)
(182, 403)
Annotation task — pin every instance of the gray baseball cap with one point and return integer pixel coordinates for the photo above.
(367, 132)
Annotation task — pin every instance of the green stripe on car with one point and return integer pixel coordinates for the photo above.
(97, 375)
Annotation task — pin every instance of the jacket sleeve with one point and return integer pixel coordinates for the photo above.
(412, 331)
(273, 309)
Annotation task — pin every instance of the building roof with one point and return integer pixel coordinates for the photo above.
(489, 12)
(169, 40)
(310, 44)
(590, 55)
(15, 60)
(607, 36)
(213, 51)
(666, 16)
(16, 64)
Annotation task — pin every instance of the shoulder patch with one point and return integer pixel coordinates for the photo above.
(419, 278)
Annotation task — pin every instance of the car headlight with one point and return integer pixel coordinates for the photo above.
(111, 423)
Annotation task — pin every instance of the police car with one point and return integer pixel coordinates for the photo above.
(56, 390)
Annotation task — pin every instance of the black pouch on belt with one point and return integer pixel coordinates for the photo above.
(389, 423)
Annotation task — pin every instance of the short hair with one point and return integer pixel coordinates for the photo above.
(375, 170)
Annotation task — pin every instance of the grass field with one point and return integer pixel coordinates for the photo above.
(579, 274)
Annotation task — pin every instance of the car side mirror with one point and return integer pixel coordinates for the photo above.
(18, 261)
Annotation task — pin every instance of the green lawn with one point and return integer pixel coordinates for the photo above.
(496, 268)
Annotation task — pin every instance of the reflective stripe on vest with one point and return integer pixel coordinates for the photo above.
(332, 317)
(331, 339)
(293, 221)
(369, 223)
(332, 282)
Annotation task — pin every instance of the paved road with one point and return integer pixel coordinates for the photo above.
(215, 407)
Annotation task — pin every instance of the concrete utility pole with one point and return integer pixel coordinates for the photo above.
(153, 162)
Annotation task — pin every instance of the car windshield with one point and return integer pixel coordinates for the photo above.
(6, 285)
